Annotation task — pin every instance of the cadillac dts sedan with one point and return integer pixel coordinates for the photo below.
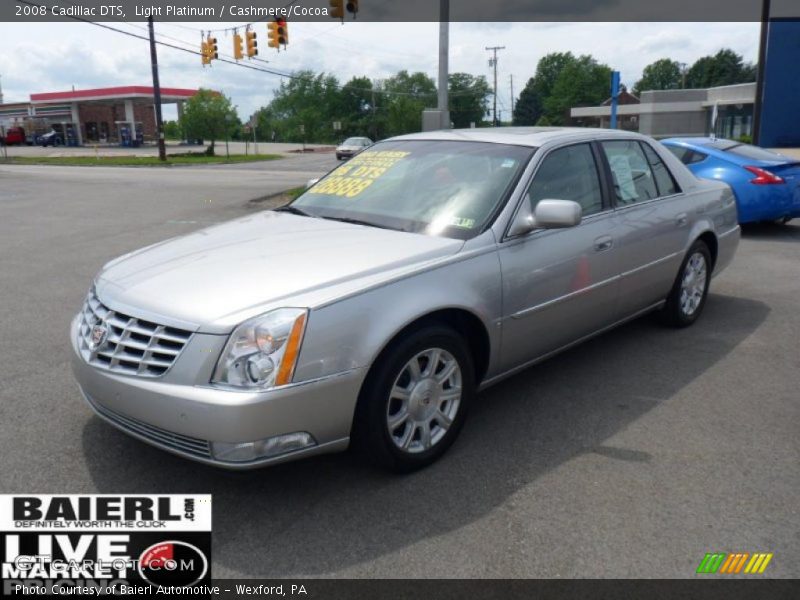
(372, 309)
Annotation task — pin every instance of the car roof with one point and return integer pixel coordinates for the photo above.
(519, 136)
(704, 142)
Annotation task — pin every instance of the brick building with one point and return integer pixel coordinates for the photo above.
(92, 116)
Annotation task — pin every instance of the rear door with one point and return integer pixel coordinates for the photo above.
(560, 284)
(653, 216)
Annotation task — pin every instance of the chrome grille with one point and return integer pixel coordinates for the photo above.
(160, 437)
(130, 345)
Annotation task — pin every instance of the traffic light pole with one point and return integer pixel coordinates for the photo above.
(162, 149)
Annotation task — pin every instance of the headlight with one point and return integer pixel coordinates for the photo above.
(262, 352)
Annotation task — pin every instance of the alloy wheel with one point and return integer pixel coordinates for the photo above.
(693, 284)
(424, 400)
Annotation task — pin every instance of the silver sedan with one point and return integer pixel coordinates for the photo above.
(371, 310)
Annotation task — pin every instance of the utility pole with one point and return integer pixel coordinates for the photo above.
(493, 63)
(444, 46)
(683, 67)
(511, 81)
(162, 149)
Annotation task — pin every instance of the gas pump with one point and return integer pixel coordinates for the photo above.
(71, 136)
(139, 138)
(124, 133)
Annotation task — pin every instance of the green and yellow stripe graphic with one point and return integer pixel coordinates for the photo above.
(733, 563)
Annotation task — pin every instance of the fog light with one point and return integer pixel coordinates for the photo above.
(275, 446)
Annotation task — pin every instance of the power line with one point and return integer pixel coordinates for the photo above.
(167, 45)
(237, 63)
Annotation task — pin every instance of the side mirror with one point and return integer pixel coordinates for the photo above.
(548, 214)
(312, 182)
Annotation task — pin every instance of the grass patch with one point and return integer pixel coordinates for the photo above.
(188, 158)
(295, 192)
(278, 199)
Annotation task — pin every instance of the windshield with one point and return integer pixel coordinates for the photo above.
(442, 188)
(354, 142)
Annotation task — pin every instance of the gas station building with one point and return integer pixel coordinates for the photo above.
(115, 115)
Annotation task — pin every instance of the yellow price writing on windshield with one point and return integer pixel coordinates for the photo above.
(357, 175)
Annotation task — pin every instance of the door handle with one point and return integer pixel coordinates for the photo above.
(603, 243)
(682, 219)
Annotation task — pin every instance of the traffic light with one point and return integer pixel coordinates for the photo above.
(251, 43)
(352, 7)
(278, 32)
(213, 50)
(283, 31)
(238, 52)
(205, 53)
(337, 9)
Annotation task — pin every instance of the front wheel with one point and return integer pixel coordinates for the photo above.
(415, 399)
(688, 296)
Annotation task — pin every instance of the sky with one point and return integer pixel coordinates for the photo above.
(44, 57)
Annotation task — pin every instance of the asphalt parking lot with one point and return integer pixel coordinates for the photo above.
(630, 456)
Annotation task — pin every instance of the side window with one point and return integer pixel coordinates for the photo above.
(664, 181)
(633, 178)
(683, 154)
(696, 157)
(568, 174)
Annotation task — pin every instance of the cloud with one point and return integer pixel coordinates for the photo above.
(78, 54)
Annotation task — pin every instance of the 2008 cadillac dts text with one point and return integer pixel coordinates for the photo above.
(373, 308)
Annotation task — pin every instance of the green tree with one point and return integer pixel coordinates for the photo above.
(172, 130)
(580, 83)
(209, 115)
(359, 115)
(468, 96)
(663, 74)
(406, 96)
(305, 107)
(529, 108)
(724, 68)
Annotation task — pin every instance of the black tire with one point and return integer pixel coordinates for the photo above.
(371, 436)
(675, 312)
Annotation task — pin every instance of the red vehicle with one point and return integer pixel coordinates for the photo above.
(14, 135)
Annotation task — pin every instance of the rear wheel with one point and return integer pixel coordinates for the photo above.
(415, 400)
(688, 296)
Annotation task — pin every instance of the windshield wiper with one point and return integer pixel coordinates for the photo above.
(360, 222)
(294, 210)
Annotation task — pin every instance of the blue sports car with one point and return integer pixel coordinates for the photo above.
(766, 184)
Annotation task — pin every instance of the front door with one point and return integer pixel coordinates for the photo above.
(560, 285)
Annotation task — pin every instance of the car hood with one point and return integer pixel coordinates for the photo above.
(214, 278)
(348, 148)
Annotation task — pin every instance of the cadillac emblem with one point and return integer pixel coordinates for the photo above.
(98, 335)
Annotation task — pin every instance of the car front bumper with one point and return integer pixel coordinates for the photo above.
(188, 419)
